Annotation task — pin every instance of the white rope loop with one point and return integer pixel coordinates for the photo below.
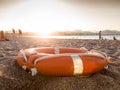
(99, 53)
(34, 71)
(42, 58)
(103, 55)
(24, 67)
(23, 54)
(83, 48)
(106, 67)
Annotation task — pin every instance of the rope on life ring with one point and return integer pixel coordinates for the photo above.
(24, 56)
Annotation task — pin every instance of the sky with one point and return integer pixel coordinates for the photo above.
(46, 16)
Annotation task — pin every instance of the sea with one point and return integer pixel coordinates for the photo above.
(110, 37)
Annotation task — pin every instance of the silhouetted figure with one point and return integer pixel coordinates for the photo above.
(114, 38)
(100, 34)
(20, 32)
(13, 35)
(3, 37)
(13, 30)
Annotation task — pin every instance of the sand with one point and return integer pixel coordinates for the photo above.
(13, 77)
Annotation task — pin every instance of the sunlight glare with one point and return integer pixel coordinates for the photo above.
(44, 32)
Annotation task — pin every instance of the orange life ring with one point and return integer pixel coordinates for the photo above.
(64, 64)
(25, 55)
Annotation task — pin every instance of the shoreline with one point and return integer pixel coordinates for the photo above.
(93, 37)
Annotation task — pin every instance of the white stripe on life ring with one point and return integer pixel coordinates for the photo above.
(57, 50)
(78, 64)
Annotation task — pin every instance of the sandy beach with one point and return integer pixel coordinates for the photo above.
(13, 77)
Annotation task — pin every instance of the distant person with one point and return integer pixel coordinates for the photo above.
(100, 34)
(114, 38)
(3, 37)
(13, 30)
(20, 32)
